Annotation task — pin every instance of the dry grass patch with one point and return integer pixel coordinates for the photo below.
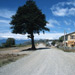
(66, 50)
(69, 50)
(7, 58)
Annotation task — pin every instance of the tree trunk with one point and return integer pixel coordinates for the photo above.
(32, 40)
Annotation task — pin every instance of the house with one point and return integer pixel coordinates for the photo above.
(70, 39)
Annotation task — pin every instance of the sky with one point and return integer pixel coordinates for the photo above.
(60, 15)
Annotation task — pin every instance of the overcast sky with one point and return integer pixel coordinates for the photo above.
(59, 13)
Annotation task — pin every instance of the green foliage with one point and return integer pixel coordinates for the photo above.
(29, 19)
(61, 39)
(9, 42)
(53, 42)
(3, 45)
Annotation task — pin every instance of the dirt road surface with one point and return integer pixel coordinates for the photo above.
(42, 62)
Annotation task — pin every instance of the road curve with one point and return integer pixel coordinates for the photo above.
(42, 62)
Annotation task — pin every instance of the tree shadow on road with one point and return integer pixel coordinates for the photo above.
(30, 49)
(43, 48)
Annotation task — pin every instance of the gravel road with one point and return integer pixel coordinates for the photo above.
(42, 62)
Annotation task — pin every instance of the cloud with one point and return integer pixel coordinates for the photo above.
(64, 9)
(11, 35)
(52, 23)
(41, 36)
(6, 13)
(67, 23)
(49, 36)
(5, 21)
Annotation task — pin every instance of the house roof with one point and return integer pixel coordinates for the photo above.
(68, 34)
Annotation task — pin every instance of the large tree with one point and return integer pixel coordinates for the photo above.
(29, 19)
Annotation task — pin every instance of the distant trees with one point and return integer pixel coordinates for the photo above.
(29, 19)
(53, 42)
(61, 39)
(9, 42)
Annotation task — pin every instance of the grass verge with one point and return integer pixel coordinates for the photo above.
(8, 58)
(13, 48)
(67, 50)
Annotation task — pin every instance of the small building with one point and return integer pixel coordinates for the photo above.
(70, 39)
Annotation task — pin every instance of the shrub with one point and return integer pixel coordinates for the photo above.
(9, 42)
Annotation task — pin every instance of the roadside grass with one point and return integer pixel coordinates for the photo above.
(67, 50)
(23, 45)
(16, 47)
(8, 58)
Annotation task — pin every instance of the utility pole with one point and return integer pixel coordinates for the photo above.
(64, 40)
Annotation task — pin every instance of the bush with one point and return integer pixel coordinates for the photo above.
(9, 42)
(53, 42)
(3, 45)
(61, 39)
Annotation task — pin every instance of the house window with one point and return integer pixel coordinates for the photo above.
(72, 37)
(66, 38)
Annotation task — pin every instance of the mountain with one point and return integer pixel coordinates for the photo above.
(16, 41)
(2, 41)
(21, 41)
